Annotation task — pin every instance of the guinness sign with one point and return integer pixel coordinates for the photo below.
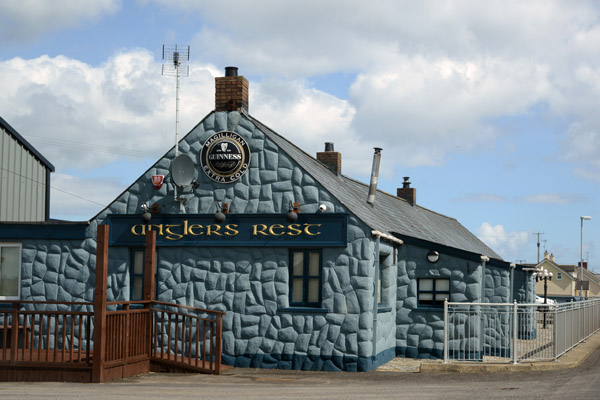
(225, 157)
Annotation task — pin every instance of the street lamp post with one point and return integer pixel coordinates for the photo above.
(545, 276)
(585, 217)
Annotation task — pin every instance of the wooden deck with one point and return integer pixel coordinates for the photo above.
(63, 341)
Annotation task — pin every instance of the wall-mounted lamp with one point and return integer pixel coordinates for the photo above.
(433, 256)
(146, 216)
(292, 214)
(220, 214)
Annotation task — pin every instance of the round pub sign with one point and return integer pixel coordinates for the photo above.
(225, 157)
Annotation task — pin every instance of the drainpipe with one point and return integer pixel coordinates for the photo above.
(374, 176)
(484, 260)
(512, 282)
(375, 295)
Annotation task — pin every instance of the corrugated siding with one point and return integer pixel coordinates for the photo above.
(22, 183)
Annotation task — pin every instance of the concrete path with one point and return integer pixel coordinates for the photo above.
(572, 359)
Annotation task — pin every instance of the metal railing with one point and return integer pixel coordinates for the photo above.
(505, 332)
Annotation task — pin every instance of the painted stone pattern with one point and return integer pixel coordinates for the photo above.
(252, 283)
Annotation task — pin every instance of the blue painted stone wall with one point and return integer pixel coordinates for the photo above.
(251, 284)
(419, 329)
(497, 285)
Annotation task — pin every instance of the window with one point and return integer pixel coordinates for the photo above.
(10, 271)
(305, 278)
(136, 275)
(432, 292)
(558, 276)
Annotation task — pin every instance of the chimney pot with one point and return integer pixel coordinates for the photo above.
(231, 71)
(331, 159)
(231, 91)
(407, 193)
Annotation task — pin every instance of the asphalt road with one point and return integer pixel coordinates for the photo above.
(248, 384)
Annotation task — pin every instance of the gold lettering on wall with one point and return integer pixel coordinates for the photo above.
(210, 229)
(276, 226)
(192, 230)
(231, 230)
(172, 235)
(307, 227)
(135, 232)
(176, 232)
(294, 229)
(262, 230)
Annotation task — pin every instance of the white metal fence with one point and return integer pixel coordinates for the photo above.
(505, 332)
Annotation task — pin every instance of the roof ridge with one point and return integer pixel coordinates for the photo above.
(26, 144)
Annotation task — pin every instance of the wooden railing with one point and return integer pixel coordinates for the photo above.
(126, 338)
(187, 336)
(136, 334)
(117, 339)
(42, 335)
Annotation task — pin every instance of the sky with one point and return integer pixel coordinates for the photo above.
(490, 107)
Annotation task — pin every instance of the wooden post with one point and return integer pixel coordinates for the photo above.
(218, 344)
(149, 274)
(150, 265)
(100, 294)
(14, 333)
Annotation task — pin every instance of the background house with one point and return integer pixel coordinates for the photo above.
(565, 282)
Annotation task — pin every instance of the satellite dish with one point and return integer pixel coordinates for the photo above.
(183, 171)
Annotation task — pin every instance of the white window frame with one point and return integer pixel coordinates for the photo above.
(20, 247)
(559, 276)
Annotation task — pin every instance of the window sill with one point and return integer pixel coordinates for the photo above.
(381, 309)
(314, 310)
(429, 308)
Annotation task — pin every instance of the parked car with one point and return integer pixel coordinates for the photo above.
(550, 304)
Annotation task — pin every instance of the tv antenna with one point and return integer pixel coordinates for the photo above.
(174, 56)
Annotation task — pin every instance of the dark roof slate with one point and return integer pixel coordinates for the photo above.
(389, 214)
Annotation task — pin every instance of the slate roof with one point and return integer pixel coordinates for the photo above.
(390, 214)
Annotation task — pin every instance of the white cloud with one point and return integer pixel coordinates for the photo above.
(124, 103)
(309, 118)
(431, 76)
(24, 20)
(480, 198)
(510, 245)
(550, 198)
(428, 108)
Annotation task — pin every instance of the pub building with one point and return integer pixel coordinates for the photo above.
(313, 269)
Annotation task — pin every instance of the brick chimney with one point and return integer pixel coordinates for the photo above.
(407, 193)
(231, 91)
(332, 159)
